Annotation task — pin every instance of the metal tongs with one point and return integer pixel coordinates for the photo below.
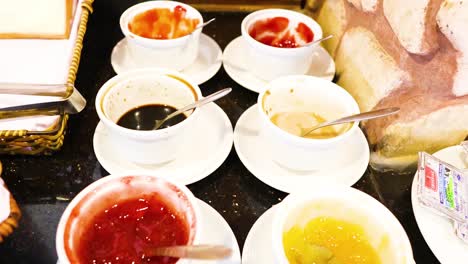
(65, 104)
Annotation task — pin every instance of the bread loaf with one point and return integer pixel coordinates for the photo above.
(411, 24)
(452, 20)
(365, 5)
(410, 54)
(45, 19)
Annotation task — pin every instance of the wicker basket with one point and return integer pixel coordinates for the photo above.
(46, 142)
(6, 228)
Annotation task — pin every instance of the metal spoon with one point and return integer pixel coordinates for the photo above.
(208, 99)
(205, 252)
(357, 117)
(72, 104)
(204, 24)
(317, 41)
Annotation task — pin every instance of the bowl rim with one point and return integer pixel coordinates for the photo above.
(127, 15)
(249, 19)
(297, 140)
(109, 84)
(64, 218)
(344, 195)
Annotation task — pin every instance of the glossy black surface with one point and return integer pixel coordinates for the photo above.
(43, 186)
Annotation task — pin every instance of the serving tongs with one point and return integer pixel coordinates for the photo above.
(66, 102)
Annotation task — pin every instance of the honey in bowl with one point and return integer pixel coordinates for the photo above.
(163, 23)
(123, 232)
(326, 240)
(276, 32)
(297, 123)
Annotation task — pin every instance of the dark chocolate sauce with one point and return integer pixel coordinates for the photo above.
(143, 117)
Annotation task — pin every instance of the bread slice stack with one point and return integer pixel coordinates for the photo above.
(409, 54)
(44, 19)
(37, 39)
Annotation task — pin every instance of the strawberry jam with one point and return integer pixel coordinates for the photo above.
(163, 23)
(276, 32)
(122, 233)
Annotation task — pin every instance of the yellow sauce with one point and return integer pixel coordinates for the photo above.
(326, 240)
(297, 123)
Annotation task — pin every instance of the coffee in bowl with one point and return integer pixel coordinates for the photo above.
(143, 117)
(129, 103)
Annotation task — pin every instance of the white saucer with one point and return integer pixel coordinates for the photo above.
(216, 231)
(257, 246)
(206, 149)
(234, 63)
(206, 65)
(437, 230)
(253, 152)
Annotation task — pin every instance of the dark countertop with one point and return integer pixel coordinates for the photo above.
(43, 185)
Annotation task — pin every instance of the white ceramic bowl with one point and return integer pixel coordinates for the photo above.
(268, 62)
(381, 227)
(175, 54)
(105, 192)
(300, 93)
(131, 89)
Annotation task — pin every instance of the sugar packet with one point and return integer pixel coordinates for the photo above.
(443, 187)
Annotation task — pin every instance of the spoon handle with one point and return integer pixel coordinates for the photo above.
(191, 252)
(210, 98)
(206, 23)
(358, 117)
(318, 40)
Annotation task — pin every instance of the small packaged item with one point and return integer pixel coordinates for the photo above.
(442, 187)
(461, 229)
(464, 144)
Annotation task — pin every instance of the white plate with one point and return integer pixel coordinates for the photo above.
(206, 149)
(206, 65)
(257, 247)
(234, 62)
(216, 231)
(437, 230)
(254, 154)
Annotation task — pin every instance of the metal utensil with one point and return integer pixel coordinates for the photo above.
(354, 118)
(204, 24)
(206, 252)
(59, 90)
(317, 41)
(72, 104)
(208, 99)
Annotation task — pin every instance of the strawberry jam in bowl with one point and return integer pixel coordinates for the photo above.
(117, 219)
(279, 32)
(162, 34)
(277, 42)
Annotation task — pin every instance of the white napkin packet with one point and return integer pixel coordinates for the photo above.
(443, 188)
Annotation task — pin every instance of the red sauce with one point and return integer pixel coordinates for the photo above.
(163, 23)
(121, 234)
(275, 32)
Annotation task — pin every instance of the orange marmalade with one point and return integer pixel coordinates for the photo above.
(326, 240)
(163, 23)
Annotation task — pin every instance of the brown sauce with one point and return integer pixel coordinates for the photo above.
(143, 117)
